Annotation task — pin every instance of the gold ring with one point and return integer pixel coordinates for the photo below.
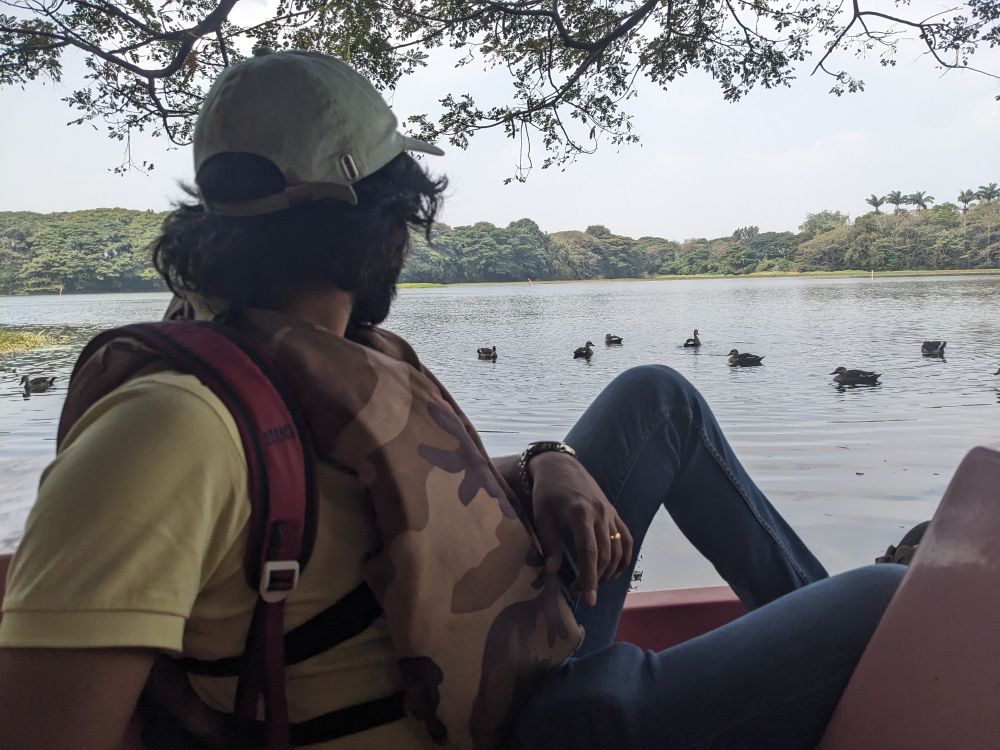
(616, 536)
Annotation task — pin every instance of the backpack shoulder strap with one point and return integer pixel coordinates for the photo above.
(281, 480)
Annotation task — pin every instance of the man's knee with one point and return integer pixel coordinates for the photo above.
(879, 582)
(869, 590)
(646, 380)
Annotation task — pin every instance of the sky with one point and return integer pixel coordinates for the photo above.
(704, 166)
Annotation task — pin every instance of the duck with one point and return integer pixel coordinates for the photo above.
(933, 348)
(695, 341)
(586, 351)
(36, 385)
(843, 376)
(487, 352)
(610, 340)
(743, 360)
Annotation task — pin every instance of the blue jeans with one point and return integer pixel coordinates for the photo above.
(770, 679)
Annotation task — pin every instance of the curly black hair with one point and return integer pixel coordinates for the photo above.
(264, 261)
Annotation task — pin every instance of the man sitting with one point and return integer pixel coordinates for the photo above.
(296, 236)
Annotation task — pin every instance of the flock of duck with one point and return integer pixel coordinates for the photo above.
(841, 376)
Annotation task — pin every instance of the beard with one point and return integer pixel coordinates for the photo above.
(374, 297)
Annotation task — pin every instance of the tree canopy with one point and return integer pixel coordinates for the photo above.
(101, 250)
(572, 64)
(875, 202)
(823, 221)
(105, 250)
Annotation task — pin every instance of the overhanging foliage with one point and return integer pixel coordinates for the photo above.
(572, 64)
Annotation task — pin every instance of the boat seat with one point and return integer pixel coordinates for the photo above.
(930, 676)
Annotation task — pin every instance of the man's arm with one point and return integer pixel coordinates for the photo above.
(507, 466)
(566, 500)
(139, 505)
(69, 698)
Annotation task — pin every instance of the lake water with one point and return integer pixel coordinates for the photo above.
(851, 469)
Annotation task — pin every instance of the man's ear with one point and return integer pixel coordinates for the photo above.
(179, 309)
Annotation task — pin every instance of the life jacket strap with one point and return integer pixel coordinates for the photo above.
(346, 618)
(346, 721)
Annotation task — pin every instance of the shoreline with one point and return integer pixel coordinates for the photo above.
(835, 274)
(850, 274)
(710, 276)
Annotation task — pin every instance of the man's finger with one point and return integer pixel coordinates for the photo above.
(615, 563)
(626, 545)
(605, 549)
(586, 558)
(551, 540)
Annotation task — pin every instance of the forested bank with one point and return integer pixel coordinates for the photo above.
(99, 250)
(942, 237)
(106, 250)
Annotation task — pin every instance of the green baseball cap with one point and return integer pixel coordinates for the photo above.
(313, 116)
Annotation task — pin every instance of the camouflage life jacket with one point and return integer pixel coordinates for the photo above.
(474, 619)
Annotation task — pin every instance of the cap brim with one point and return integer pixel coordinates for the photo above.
(414, 144)
(303, 192)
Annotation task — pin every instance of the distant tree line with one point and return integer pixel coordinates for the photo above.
(100, 250)
(106, 250)
(938, 238)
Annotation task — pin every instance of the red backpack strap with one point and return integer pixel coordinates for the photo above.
(281, 484)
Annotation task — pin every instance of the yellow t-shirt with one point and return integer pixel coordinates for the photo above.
(137, 539)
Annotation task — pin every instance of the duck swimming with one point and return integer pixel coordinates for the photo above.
(610, 340)
(843, 376)
(933, 348)
(693, 341)
(487, 352)
(36, 385)
(743, 360)
(586, 351)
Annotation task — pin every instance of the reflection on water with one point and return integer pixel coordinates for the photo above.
(850, 467)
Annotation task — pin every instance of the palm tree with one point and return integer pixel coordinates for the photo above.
(895, 198)
(921, 199)
(987, 193)
(965, 198)
(874, 201)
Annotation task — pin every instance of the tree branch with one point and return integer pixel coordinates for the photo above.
(117, 12)
(222, 47)
(186, 38)
(926, 34)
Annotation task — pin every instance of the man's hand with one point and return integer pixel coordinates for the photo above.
(566, 498)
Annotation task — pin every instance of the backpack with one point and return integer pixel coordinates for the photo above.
(281, 530)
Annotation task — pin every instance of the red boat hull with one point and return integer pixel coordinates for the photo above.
(660, 619)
